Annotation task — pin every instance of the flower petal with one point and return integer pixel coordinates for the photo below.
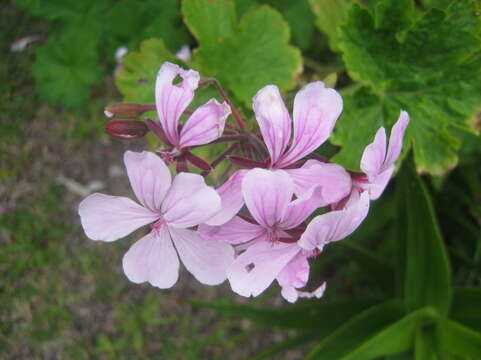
(235, 231)
(231, 199)
(189, 201)
(295, 273)
(207, 260)
(152, 259)
(109, 218)
(205, 125)
(299, 209)
(378, 184)
(255, 269)
(333, 179)
(396, 139)
(291, 294)
(171, 100)
(374, 154)
(316, 110)
(267, 194)
(335, 225)
(149, 177)
(274, 120)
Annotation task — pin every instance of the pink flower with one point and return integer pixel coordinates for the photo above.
(172, 207)
(271, 241)
(205, 124)
(316, 110)
(377, 161)
(335, 225)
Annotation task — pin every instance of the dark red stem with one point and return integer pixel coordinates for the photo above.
(228, 138)
(246, 163)
(197, 161)
(235, 113)
(157, 130)
(221, 157)
(181, 164)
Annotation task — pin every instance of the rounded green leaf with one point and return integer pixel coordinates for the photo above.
(137, 79)
(429, 65)
(246, 54)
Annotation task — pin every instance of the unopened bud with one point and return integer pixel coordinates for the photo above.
(126, 111)
(126, 129)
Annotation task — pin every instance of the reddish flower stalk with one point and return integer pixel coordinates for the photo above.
(220, 158)
(127, 110)
(235, 113)
(126, 129)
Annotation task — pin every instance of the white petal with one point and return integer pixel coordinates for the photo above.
(274, 120)
(374, 154)
(235, 231)
(267, 194)
(255, 269)
(171, 100)
(109, 218)
(231, 199)
(189, 201)
(316, 110)
(152, 259)
(149, 177)
(335, 225)
(207, 260)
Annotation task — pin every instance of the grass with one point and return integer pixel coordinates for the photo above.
(61, 295)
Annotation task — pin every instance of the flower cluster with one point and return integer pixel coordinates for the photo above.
(258, 226)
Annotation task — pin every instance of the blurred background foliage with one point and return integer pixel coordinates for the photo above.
(405, 285)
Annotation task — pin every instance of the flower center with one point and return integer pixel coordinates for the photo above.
(156, 226)
(312, 253)
(168, 155)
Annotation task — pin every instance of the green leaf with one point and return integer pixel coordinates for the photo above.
(165, 23)
(378, 331)
(430, 67)
(426, 346)
(460, 340)
(376, 269)
(439, 4)
(67, 66)
(137, 80)
(427, 279)
(330, 14)
(300, 18)
(290, 343)
(64, 10)
(466, 307)
(323, 317)
(244, 54)
(210, 22)
(128, 22)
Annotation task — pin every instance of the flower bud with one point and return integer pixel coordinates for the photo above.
(126, 129)
(126, 111)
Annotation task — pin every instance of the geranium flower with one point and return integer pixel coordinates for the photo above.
(271, 239)
(172, 206)
(204, 125)
(378, 159)
(316, 109)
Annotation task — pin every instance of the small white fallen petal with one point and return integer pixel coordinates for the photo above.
(184, 53)
(21, 44)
